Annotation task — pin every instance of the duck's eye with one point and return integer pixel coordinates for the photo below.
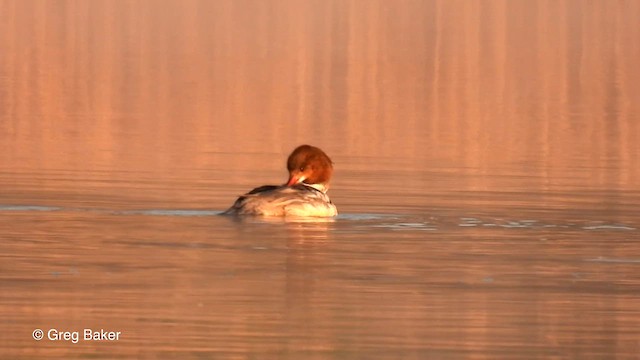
(301, 168)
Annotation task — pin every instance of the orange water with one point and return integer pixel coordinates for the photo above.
(486, 172)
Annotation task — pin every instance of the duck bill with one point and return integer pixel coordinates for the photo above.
(295, 180)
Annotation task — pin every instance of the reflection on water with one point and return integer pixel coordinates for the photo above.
(487, 173)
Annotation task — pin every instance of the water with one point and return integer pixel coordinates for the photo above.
(486, 174)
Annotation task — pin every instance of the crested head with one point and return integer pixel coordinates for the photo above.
(309, 165)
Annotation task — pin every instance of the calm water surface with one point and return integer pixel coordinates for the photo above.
(487, 160)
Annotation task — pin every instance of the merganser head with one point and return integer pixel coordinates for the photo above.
(310, 165)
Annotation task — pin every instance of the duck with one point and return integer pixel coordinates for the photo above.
(303, 195)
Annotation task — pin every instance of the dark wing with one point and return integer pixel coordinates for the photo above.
(240, 201)
(262, 188)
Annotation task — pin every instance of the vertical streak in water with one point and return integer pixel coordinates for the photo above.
(20, 70)
(339, 71)
(323, 75)
(572, 46)
(626, 16)
(473, 119)
(547, 68)
(39, 65)
(103, 59)
(612, 105)
(302, 73)
(435, 83)
(8, 66)
(500, 55)
(350, 74)
(373, 87)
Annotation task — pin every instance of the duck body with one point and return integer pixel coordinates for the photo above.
(283, 200)
(304, 194)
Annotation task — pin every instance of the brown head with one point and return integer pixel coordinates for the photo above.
(310, 165)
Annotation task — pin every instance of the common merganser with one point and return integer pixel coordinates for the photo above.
(304, 194)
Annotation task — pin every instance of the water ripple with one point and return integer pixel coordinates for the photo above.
(4, 207)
